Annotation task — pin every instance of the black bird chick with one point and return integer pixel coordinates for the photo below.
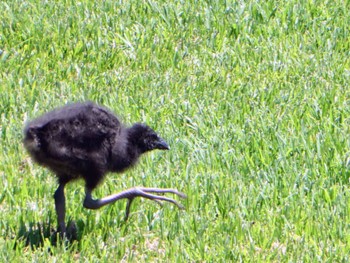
(87, 141)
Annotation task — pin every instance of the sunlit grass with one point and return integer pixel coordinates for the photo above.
(253, 98)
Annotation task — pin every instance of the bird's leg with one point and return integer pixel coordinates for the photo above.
(130, 194)
(60, 204)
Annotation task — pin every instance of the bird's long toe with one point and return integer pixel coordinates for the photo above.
(163, 191)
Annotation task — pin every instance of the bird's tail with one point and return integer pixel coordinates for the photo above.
(31, 140)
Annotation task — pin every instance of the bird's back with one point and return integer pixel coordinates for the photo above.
(72, 138)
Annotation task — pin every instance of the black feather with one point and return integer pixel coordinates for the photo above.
(86, 141)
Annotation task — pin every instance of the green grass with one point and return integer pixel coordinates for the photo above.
(252, 96)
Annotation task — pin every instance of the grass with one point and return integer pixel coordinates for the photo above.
(253, 97)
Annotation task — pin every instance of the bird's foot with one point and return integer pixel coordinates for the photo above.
(130, 194)
(147, 193)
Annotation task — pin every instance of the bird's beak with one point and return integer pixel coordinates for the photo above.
(162, 145)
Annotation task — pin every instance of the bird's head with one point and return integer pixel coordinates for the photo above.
(146, 139)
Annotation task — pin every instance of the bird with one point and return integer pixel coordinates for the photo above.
(87, 141)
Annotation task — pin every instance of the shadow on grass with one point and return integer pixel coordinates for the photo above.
(36, 234)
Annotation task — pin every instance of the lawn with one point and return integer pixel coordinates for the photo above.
(252, 96)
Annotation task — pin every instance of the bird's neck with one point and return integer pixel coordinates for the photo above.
(124, 157)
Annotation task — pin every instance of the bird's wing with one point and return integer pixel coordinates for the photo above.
(78, 135)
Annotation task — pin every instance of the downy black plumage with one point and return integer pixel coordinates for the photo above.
(87, 141)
